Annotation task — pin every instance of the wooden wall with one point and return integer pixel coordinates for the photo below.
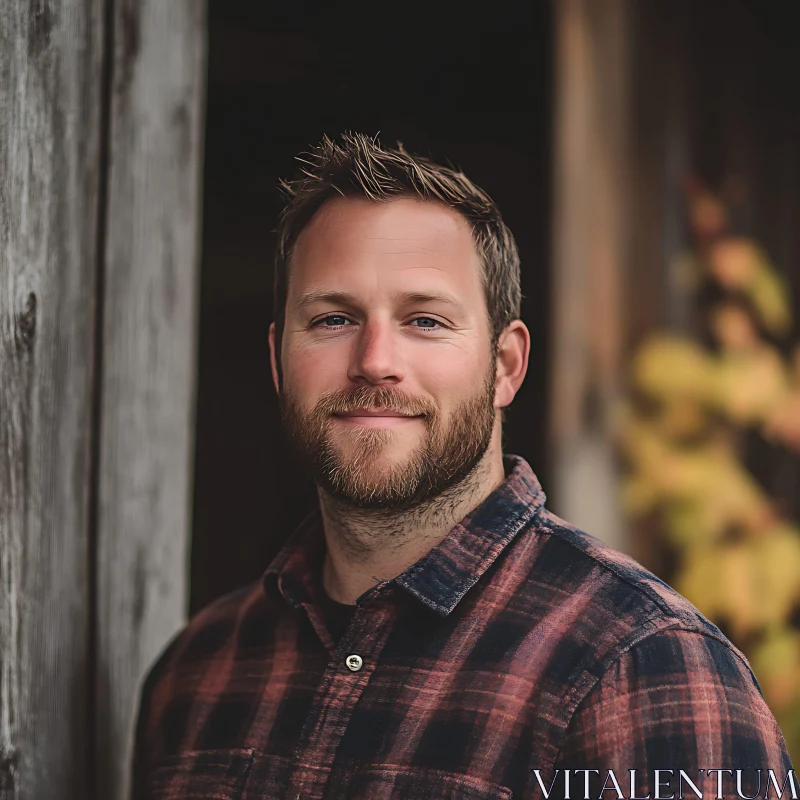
(101, 104)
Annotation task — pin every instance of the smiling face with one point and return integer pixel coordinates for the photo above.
(386, 313)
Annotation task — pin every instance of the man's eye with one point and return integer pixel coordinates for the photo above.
(328, 323)
(428, 319)
(330, 317)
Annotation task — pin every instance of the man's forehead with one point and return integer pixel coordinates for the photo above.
(400, 226)
(402, 244)
(322, 295)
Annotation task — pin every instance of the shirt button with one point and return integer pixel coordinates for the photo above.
(354, 662)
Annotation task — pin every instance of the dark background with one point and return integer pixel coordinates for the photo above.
(470, 85)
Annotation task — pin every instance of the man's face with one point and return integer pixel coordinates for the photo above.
(377, 348)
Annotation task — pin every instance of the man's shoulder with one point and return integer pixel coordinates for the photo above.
(607, 599)
(204, 635)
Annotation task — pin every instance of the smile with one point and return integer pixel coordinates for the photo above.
(373, 419)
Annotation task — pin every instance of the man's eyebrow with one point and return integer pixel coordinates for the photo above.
(346, 298)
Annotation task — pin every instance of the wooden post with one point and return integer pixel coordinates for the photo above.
(590, 254)
(149, 338)
(100, 154)
(50, 90)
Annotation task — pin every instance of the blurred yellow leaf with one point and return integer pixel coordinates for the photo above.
(681, 418)
(770, 296)
(639, 495)
(734, 261)
(783, 421)
(692, 580)
(747, 387)
(775, 566)
(776, 663)
(751, 583)
(667, 367)
(739, 264)
(705, 488)
(693, 523)
(734, 328)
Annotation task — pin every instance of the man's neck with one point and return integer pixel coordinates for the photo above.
(365, 547)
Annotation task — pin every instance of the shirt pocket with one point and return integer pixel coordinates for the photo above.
(199, 775)
(417, 783)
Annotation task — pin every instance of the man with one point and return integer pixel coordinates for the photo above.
(431, 630)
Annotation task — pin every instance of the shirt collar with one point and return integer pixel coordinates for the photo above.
(444, 575)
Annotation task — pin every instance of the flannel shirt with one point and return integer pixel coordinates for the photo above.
(516, 650)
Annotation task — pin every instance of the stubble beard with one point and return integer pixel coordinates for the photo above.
(357, 473)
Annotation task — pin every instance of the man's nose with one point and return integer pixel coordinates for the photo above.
(377, 356)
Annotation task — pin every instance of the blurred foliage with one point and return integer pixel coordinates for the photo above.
(693, 400)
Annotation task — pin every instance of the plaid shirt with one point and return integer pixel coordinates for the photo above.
(517, 644)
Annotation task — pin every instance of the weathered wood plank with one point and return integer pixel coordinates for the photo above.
(149, 354)
(50, 68)
(590, 256)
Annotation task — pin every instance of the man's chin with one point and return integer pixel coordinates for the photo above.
(375, 484)
(373, 449)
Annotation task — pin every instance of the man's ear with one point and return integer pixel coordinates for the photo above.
(512, 361)
(272, 359)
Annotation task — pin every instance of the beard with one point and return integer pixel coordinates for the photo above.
(354, 464)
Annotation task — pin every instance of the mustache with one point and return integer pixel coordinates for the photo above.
(372, 399)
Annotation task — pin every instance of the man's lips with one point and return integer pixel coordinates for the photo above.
(376, 419)
(365, 413)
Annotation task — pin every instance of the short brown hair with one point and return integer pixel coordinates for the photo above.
(356, 165)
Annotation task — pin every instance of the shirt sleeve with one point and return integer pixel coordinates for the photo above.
(678, 700)
(139, 759)
(143, 731)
